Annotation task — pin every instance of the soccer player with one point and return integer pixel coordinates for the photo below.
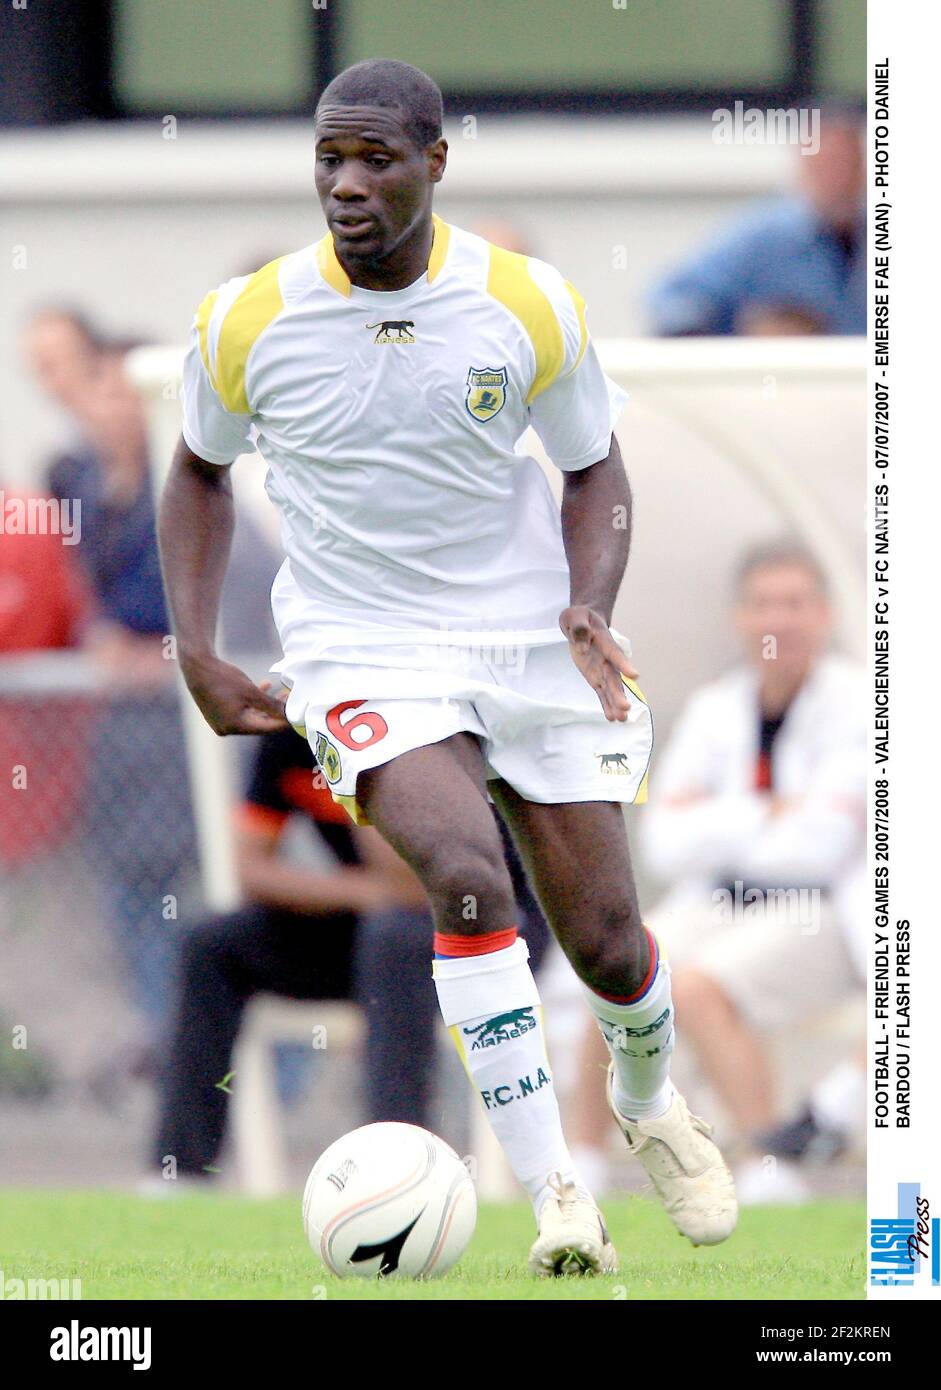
(445, 629)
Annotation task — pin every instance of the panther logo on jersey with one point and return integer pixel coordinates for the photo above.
(485, 395)
(394, 331)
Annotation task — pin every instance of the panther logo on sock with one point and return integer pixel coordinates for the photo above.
(621, 1029)
(502, 1028)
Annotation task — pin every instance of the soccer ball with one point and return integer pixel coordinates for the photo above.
(389, 1200)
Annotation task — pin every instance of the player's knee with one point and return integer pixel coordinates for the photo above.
(613, 955)
(471, 889)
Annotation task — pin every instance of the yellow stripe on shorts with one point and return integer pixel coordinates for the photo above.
(636, 691)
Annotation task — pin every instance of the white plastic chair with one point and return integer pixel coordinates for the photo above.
(257, 1125)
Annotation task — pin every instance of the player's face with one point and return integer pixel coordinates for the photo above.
(783, 617)
(373, 181)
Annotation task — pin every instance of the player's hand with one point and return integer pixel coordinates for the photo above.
(599, 658)
(230, 702)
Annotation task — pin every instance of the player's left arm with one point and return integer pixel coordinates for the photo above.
(596, 530)
(573, 407)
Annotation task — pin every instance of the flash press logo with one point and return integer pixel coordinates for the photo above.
(780, 126)
(905, 1245)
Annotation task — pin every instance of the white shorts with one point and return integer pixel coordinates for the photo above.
(540, 724)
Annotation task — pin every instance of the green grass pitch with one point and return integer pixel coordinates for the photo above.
(229, 1247)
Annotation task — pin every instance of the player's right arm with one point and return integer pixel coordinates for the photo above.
(197, 518)
(195, 533)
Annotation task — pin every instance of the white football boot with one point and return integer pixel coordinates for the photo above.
(690, 1175)
(572, 1236)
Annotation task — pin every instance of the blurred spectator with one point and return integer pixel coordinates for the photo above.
(44, 599)
(757, 818)
(796, 265)
(137, 815)
(832, 1115)
(108, 470)
(359, 929)
(504, 234)
(44, 605)
(63, 351)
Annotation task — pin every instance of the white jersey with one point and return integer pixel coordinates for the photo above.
(392, 426)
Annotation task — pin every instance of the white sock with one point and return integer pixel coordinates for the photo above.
(490, 1003)
(639, 1035)
(593, 1167)
(838, 1101)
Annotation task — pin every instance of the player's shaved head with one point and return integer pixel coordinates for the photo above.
(386, 82)
(379, 154)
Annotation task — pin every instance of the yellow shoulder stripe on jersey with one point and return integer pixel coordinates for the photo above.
(509, 281)
(203, 315)
(582, 325)
(336, 277)
(440, 241)
(330, 268)
(248, 317)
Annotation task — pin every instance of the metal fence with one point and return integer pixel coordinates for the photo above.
(97, 863)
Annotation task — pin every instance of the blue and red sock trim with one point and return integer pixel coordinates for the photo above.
(451, 947)
(648, 979)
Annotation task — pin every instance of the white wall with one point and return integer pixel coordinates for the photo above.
(135, 228)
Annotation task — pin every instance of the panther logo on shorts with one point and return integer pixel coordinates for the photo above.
(614, 762)
(328, 758)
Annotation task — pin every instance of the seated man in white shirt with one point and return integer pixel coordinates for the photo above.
(757, 816)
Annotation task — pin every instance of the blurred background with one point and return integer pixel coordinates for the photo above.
(697, 172)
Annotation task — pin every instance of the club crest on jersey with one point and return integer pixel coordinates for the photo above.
(394, 331)
(328, 758)
(485, 395)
